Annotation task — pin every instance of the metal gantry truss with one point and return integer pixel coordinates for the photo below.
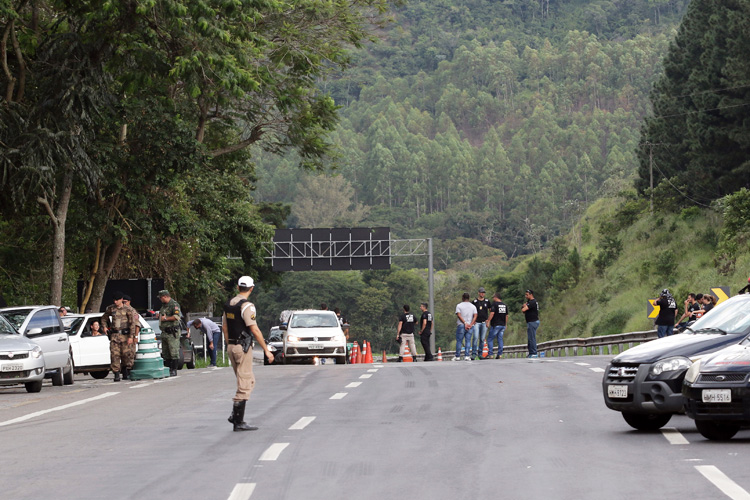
(325, 249)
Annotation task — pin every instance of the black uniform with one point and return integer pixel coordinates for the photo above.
(424, 334)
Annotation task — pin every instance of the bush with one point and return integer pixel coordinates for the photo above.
(611, 324)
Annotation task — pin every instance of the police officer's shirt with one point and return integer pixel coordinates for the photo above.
(248, 311)
(426, 315)
(500, 317)
(171, 308)
(407, 322)
(483, 309)
(667, 309)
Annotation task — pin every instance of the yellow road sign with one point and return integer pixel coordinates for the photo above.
(721, 293)
(652, 310)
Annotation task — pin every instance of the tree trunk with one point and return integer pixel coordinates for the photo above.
(59, 217)
(107, 261)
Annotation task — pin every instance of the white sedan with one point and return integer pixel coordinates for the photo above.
(90, 351)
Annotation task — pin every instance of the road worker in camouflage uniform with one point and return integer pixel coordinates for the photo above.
(121, 326)
(169, 324)
(134, 346)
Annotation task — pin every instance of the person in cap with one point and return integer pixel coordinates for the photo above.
(239, 321)
(169, 324)
(530, 310)
(667, 314)
(121, 326)
(132, 347)
(479, 333)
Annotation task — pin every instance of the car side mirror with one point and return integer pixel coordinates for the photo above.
(282, 327)
(33, 331)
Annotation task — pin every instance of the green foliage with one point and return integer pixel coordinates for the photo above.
(735, 233)
(611, 323)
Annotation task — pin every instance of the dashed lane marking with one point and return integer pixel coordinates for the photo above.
(242, 491)
(273, 452)
(354, 384)
(301, 423)
(339, 395)
(583, 364)
(721, 481)
(57, 408)
(366, 375)
(597, 370)
(372, 370)
(674, 436)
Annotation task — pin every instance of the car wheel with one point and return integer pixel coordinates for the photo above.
(646, 421)
(100, 375)
(57, 378)
(191, 364)
(33, 386)
(718, 431)
(68, 375)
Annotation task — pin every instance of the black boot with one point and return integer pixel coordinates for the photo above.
(117, 376)
(125, 373)
(238, 416)
(172, 367)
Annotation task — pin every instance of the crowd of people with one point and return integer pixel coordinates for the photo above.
(695, 306)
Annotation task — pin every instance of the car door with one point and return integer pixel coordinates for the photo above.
(94, 350)
(52, 338)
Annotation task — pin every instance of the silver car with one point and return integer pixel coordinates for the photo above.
(21, 360)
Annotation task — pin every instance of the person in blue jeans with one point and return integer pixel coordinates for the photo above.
(479, 333)
(531, 311)
(498, 320)
(213, 334)
(466, 317)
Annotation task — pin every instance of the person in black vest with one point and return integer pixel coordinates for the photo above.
(426, 331)
(479, 333)
(238, 322)
(405, 331)
(498, 320)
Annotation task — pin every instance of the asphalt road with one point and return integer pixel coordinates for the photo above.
(511, 428)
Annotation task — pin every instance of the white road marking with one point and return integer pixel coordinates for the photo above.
(57, 408)
(141, 385)
(273, 452)
(721, 481)
(301, 423)
(354, 384)
(583, 364)
(377, 366)
(597, 370)
(242, 491)
(674, 436)
(339, 395)
(373, 370)
(366, 375)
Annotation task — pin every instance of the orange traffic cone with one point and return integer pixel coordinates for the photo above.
(485, 351)
(369, 353)
(385, 359)
(364, 352)
(440, 354)
(355, 351)
(360, 359)
(407, 355)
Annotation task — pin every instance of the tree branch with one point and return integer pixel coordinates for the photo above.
(45, 203)
(4, 59)
(255, 134)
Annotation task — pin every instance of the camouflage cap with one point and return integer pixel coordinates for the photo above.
(163, 293)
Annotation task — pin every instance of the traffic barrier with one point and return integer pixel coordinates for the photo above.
(440, 354)
(385, 358)
(360, 359)
(407, 354)
(148, 363)
(364, 352)
(485, 351)
(369, 354)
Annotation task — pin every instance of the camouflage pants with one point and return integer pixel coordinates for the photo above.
(120, 353)
(170, 345)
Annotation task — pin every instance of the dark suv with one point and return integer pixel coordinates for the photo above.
(645, 383)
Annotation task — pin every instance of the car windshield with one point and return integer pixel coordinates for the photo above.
(314, 321)
(153, 323)
(731, 316)
(6, 327)
(16, 317)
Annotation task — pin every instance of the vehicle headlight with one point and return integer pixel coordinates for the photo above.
(271, 348)
(292, 338)
(669, 365)
(36, 352)
(339, 338)
(692, 374)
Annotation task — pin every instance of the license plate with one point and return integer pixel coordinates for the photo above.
(12, 368)
(315, 346)
(617, 391)
(717, 395)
